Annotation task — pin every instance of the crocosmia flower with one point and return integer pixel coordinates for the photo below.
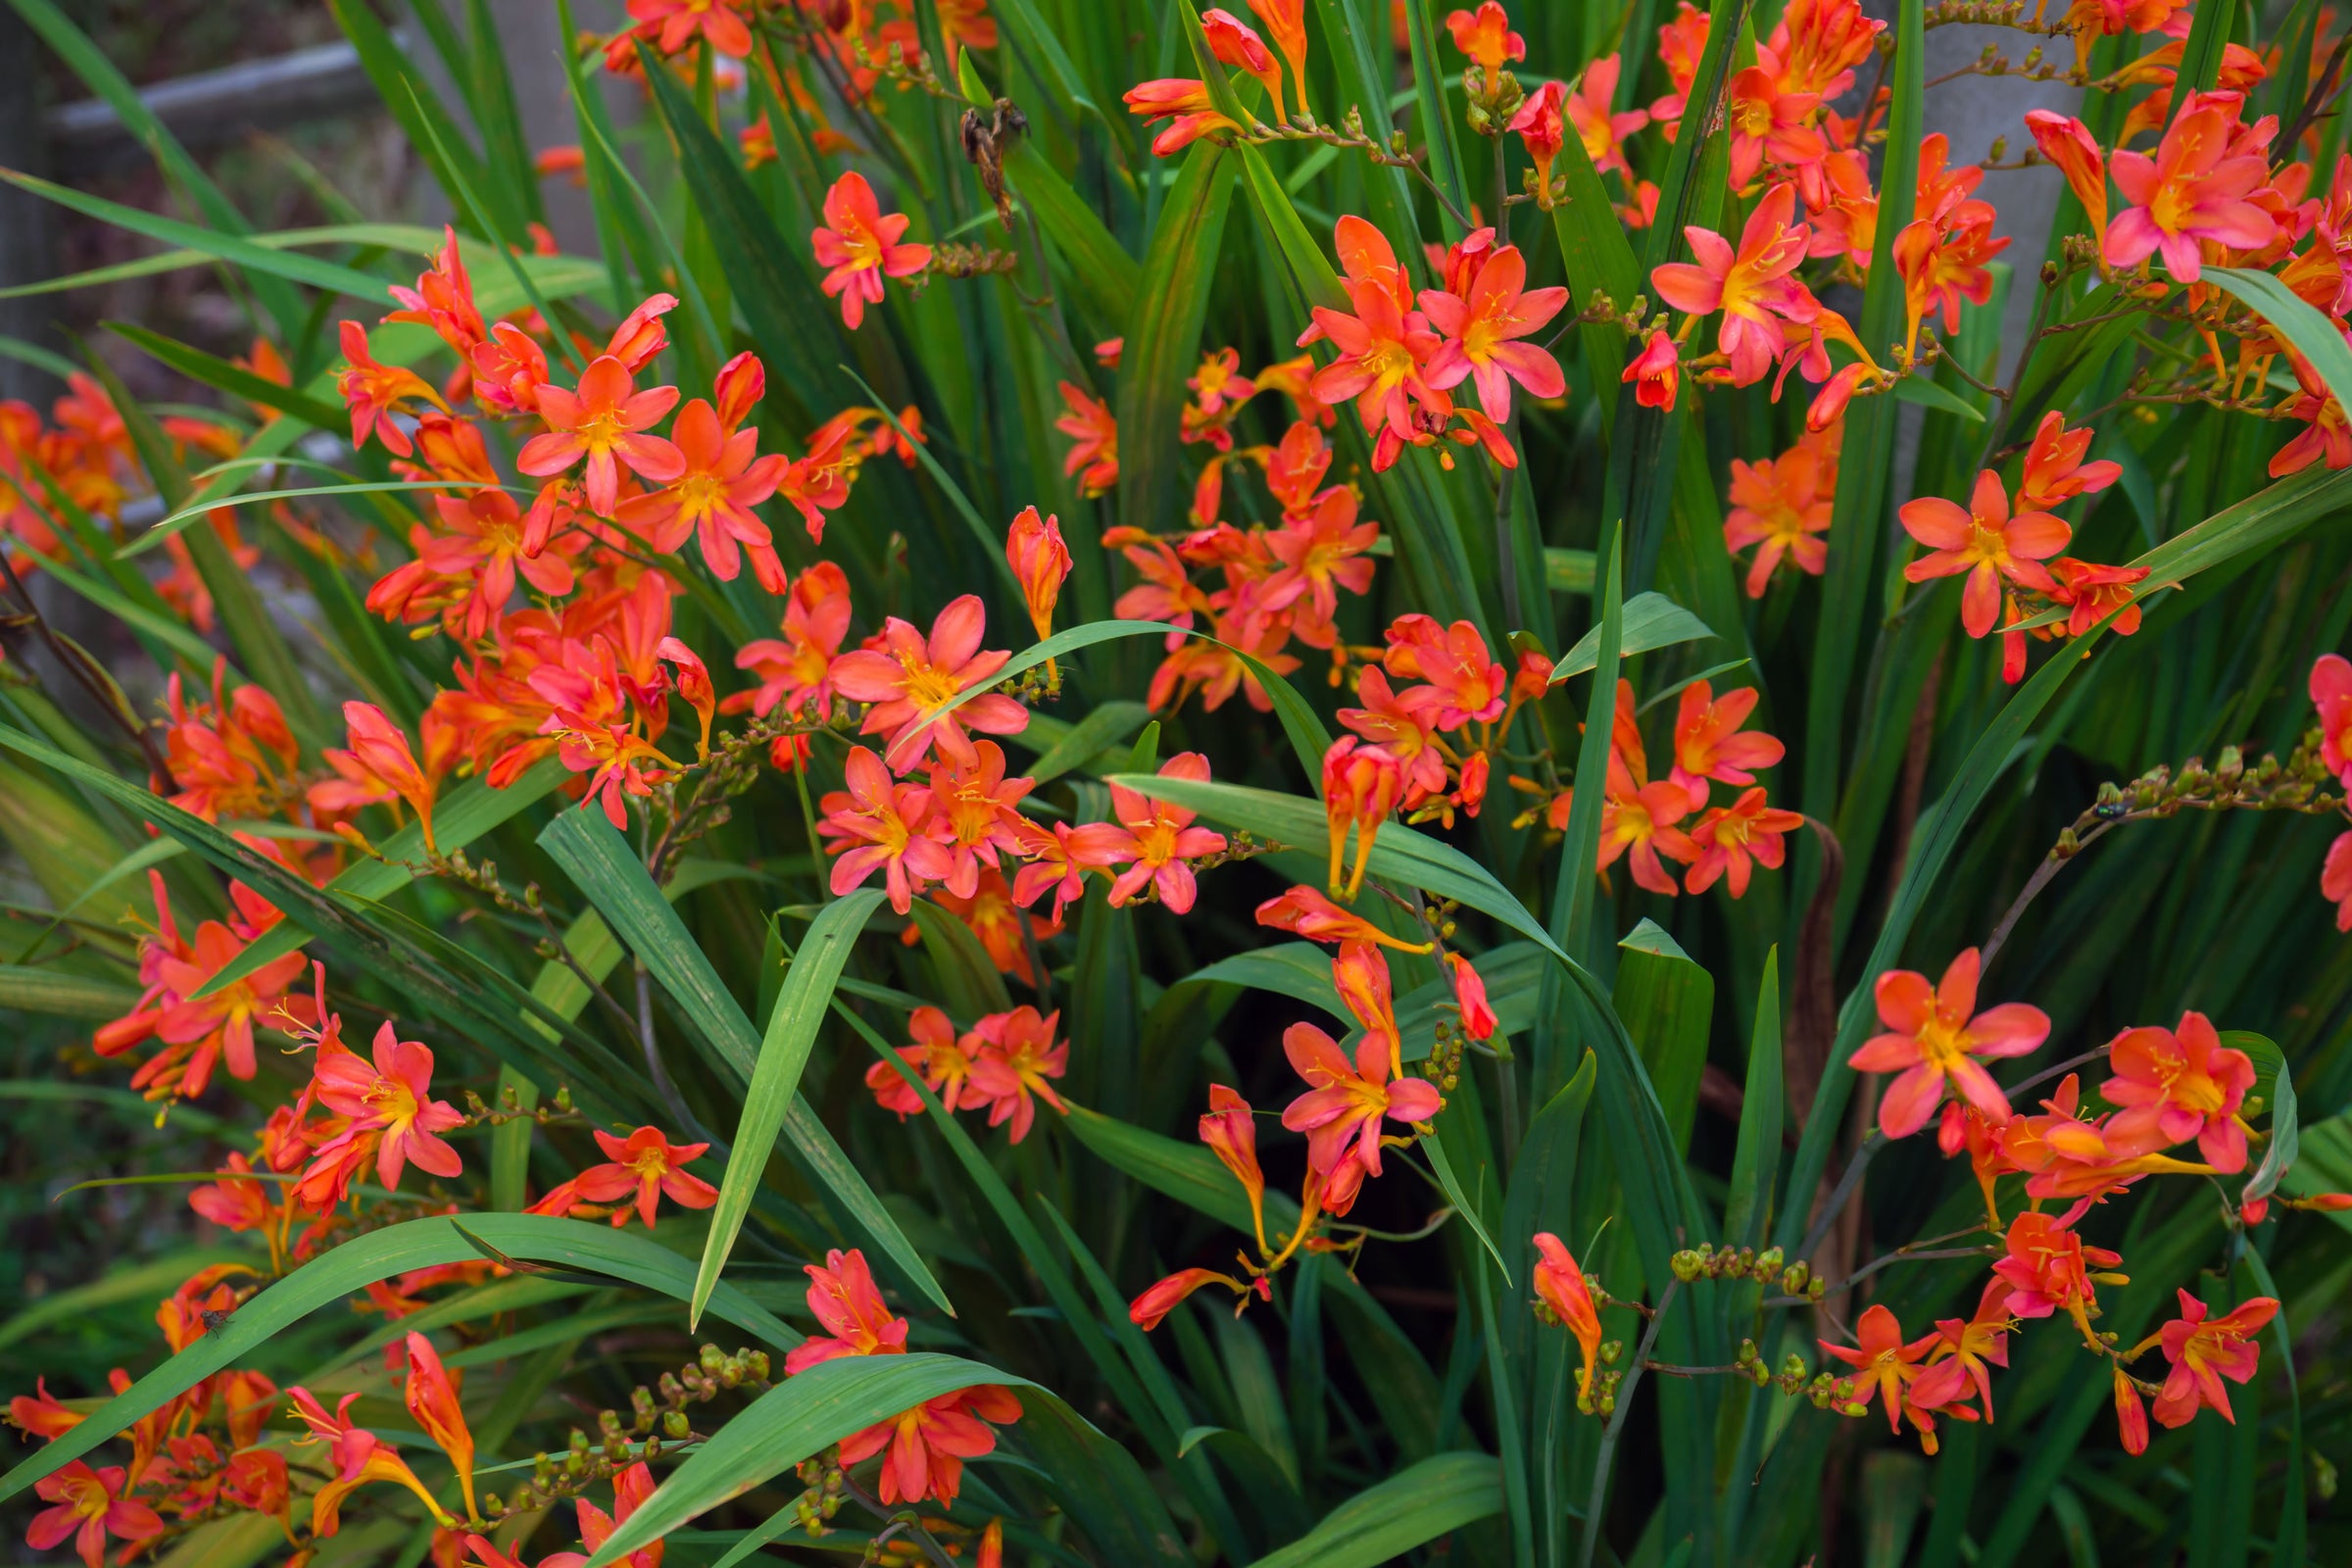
(860, 247)
(2205, 1349)
(914, 684)
(1560, 1286)
(89, 1506)
(605, 422)
(1986, 543)
(2175, 1085)
(1934, 1035)
(1346, 1107)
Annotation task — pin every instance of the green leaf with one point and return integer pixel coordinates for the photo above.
(2294, 1525)
(2312, 334)
(1756, 1159)
(1104, 727)
(2285, 1137)
(1318, 283)
(1298, 969)
(231, 248)
(600, 862)
(1103, 275)
(1573, 894)
(55, 994)
(1163, 335)
(1186, 1172)
(1443, 1164)
(140, 1281)
(239, 382)
(1667, 1002)
(469, 811)
(1651, 622)
(1929, 395)
(791, 1027)
(1433, 109)
(407, 94)
(624, 1256)
(1412, 1508)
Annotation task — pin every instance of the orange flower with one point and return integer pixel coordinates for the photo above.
(1307, 912)
(1766, 122)
(1486, 36)
(2055, 472)
(90, 1506)
(995, 918)
(2174, 1084)
(641, 1169)
(359, 1457)
(1041, 562)
(1783, 505)
(1752, 286)
(850, 1310)
(1483, 322)
(1096, 436)
(876, 825)
(674, 24)
(1160, 838)
(2048, 1269)
(1384, 346)
(860, 247)
(1708, 743)
(1470, 686)
(1470, 999)
(388, 1099)
(1601, 131)
(2194, 190)
(1728, 838)
(926, 1445)
(1885, 1368)
(1560, 1286)
(940, 1056)
(1940, 267)
(432, 1399)
(378, 768)
(2335, 880)
(797, 671)
(1345, 1107)
(1147, 1311)
(374, 392)
(1986, 543)
(603, 421)
(2204, 1350)
(443, 300)
(1183, 102)
(1541, 122)
(1655, 373)
(1363, 785)
(2067, 144)
(1236, 43)
(1057, 856)
(1935, 1034)
(1230, 1130)
(630, 1489)
(1681, 44)
(1018, 1057)
(1362, 977)
(1285, 24)
(721, 477)
(1965, 1347)
(40, 1416)
(2130, 1415)
(910, 681)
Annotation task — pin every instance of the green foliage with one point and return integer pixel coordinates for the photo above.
(1668, 1089)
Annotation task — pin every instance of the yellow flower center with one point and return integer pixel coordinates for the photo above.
(930, 687)
(1941, 1046)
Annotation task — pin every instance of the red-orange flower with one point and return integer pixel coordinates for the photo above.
(2203, 1351)
(721, 477)
(1885, 1367)
(1483, 324)
(605, 422)
(1728, 838)
(1384, 347)
(1486, 36)
(2131, 1414)
(1541, 122)
(1230, 1130)
(1752, 286)
(1236, 43)
(1985, 542)
(1018, 1058)
(1601, 130)
(912, 680)
(1708, 743)
(641, 1169)
(850, 1310)
(2048, 1269)
(2067, 144)
(876, 825)
(374, 392)
(860, 247)
(2195, 189)
(1964, 1350)
(90, 1506)
(1183, 102)
(1305, 911)
(359, 1457)
(1362, 786)
(387, 1099)
(1344, 1106)
(675, 26)
(1934, 1035)
(1783, 505)
(1655, 374)
(1094, 451)
(1041, 563)
(1560, 1286)
(378, 766)
(1285, 22)
(432, 1399)
(2174, 1084)
(1160, 837)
